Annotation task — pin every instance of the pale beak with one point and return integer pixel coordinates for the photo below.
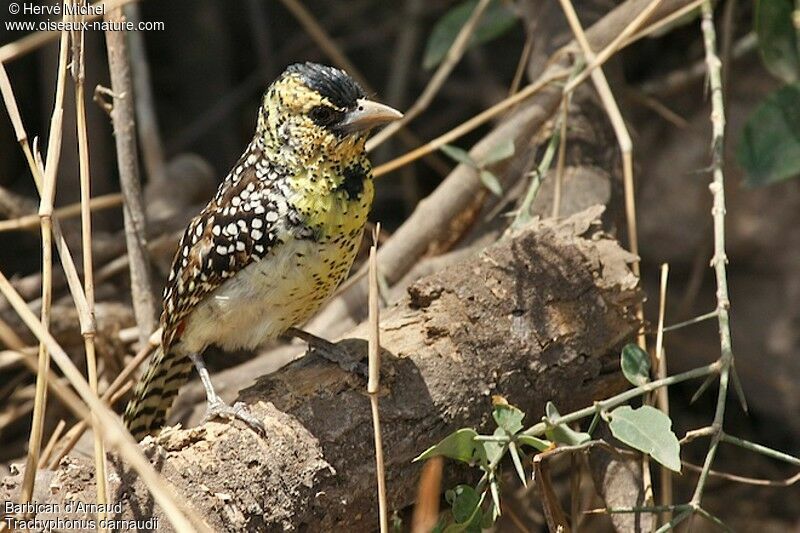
(367, 115)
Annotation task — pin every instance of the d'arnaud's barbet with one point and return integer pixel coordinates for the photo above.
(278, 237)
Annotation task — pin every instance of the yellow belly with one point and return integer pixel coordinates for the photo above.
(270, 296)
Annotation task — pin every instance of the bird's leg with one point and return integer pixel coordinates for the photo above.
(332, 352)
(215, 407)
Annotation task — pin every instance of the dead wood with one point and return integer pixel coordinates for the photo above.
(539, 316)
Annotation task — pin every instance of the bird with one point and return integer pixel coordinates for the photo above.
(274, 242)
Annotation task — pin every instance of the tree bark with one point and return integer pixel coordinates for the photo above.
(539, 316)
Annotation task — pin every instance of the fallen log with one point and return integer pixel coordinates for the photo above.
(539, 316)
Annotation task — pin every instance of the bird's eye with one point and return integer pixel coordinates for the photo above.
(324, 115)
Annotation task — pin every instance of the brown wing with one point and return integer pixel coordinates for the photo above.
(237, 228)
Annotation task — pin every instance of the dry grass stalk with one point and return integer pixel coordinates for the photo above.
(45, 214)
(663, 22)
(374, 385)
(51, 443)
(64, 254)
(121, 384)
(88, 327)
(105, 201)
(114, 433)
(615, 45)
(662, 395)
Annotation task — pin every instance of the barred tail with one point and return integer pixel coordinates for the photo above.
(157, 388)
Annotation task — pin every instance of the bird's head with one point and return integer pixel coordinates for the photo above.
(314, 113)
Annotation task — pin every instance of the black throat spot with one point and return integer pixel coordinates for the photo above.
(353, 183)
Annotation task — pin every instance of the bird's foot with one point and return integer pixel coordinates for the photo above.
(335, 353)
(219, 409)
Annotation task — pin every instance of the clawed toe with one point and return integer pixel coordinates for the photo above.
(220, 409)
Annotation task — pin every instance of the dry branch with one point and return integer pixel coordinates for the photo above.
(539, 316)
(122, 115)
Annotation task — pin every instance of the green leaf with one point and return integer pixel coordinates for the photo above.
(648, 430)
(777, 38)
(466, 509)
(534, 442)
(464, 500)
(562, 433)
(550, 411)
(500, 151)
(459, 155)
(496, 20)
(460, 446)
(508, 417)
(512, 449)
(635, 364)
(769, 149)
(491, 182)
(495, 490)
(494, 450)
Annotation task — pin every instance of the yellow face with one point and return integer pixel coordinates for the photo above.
(303, 122)
(303, 125)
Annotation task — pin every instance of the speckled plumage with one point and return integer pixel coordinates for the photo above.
(279, 236)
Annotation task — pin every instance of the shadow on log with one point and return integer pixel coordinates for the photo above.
(539, 316)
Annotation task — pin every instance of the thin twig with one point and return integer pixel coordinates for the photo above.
(524, 213)
(663, 22)
(695, 320)
(562, 157)
(524, 57)
(787, 482)
(147, 123)
(324, 41)
(451, 59)
(122, 115)
(373, 386)
(758, 448)
(624, 397)
(719, 260)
